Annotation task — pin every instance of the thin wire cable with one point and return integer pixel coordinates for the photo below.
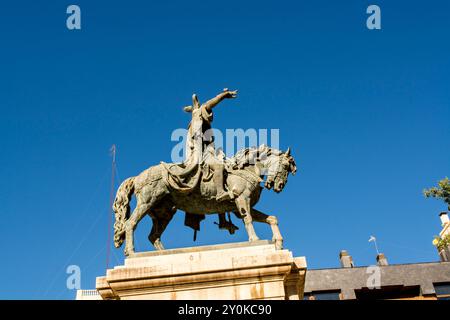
(85, 267)
(117, 183)
(110, 211)
(82, 217)
(58, 274)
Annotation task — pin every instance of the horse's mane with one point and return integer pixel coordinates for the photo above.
(251, 155)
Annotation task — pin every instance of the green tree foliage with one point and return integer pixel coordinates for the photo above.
(442, 243)
(440, 192)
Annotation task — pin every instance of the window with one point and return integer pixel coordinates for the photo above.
(323, 295)
(442, 290)
(388, 292)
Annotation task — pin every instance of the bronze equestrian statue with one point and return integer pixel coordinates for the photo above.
(205, 183)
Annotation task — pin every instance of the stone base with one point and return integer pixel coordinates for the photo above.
(234, 271)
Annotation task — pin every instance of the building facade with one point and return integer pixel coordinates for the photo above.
(384, 281)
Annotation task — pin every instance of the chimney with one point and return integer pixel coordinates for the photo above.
(346, 259)
(382, 260)
(444, 218)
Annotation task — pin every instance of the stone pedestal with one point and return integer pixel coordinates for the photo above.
(234, 271)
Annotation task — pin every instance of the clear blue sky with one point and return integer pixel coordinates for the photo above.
(366, 114)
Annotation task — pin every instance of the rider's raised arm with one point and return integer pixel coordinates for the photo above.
(226, 94)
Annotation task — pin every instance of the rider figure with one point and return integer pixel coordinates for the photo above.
(200, 141)
(200, 147)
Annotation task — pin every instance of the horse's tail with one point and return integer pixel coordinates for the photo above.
(121, 209)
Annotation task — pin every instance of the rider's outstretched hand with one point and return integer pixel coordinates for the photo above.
(230, 93)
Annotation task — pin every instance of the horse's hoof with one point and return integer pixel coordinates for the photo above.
(279, 244)
(158, 245)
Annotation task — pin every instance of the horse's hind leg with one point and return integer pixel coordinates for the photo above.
(145, 201)
(273, 222)
(159, 225)
(161, 217)
(151, 235)
(138, 213)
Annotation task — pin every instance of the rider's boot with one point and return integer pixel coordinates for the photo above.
(225, 224)
(221, 194)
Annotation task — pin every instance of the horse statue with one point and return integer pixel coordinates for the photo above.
(158, 196)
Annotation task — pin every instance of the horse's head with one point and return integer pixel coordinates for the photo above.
(274, 164)
(280, 165)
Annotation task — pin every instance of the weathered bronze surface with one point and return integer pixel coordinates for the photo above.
(206, 183)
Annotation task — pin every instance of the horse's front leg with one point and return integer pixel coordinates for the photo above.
(273, 222)
(244, 208)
